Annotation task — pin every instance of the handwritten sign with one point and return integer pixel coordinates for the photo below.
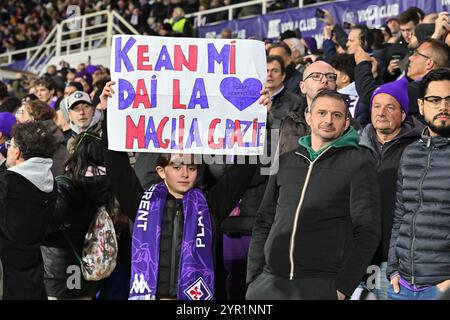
(186, 95)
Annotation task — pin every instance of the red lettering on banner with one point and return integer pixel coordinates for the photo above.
(180, 59)
(176, 96)
(135, 132)
(211, 142)
(163, 144)
(233, 58)
(236, 134)
(141, 95)
(141, 59)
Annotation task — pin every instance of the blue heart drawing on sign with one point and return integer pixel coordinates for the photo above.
(241, 94)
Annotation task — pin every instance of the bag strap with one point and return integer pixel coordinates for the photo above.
(72, 247)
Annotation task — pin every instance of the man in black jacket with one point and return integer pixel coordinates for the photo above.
(318, 224)
(419, 251)
(27, 199)
(387, 136)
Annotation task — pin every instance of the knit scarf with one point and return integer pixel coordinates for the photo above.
(196, 271)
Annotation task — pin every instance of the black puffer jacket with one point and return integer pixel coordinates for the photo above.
(420, 243)
(388, 161)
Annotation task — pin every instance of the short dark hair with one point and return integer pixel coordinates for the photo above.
(34, 139)
(331, 94)
(439, 51)
(76, 85)
(283, 45)
(345, 63)
(409, 15)
(419, 12)
(47, 82)
(10, 104)
(40, 111)
(279, 60)
(442, 74)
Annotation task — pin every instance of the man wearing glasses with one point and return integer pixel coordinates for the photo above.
(419, 251)
(27, 200)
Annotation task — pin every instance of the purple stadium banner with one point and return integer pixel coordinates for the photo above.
(372, 13)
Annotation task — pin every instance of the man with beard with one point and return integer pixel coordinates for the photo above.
(419, 252)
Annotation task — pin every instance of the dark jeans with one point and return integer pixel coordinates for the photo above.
(432, 293)
(268, 286)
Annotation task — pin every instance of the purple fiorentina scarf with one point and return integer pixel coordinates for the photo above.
(196, 272)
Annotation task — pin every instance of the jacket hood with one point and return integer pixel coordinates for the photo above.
(349, 139)
(37, 171)
(95, 119)
(411, 128)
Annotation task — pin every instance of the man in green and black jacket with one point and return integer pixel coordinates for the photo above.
(318, 225)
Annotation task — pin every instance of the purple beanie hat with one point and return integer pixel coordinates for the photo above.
(85, 75)
(7, 121)
(397, 89)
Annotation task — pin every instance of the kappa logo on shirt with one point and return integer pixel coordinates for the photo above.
(139, 286)
(198, 291)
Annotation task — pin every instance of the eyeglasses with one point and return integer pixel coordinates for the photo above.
(435, 101)
(416, 52)
(9, 144)
(318, 76)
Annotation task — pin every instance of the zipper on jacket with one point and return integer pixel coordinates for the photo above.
(173, 253)
(297, 211)
(413, 223)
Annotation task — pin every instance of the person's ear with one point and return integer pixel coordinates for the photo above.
(302, 87)
(403, 115)
(347, 123)
(161, 173)
(345, 78)
(16, 153)
(420, 104)
(308, 116)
